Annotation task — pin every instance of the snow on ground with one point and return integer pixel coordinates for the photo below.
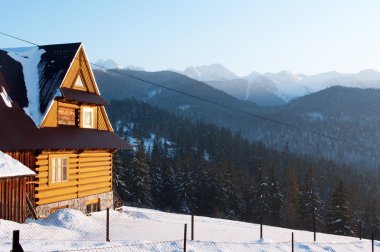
(148, 142)
(10, 167)
(134, 229)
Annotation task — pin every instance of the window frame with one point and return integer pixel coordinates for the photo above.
(84, 111)
(54, 170)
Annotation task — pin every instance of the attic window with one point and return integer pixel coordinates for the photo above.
(88, 117)
(78, 82)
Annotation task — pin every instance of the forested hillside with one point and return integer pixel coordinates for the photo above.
(193, 167)
(348, 115)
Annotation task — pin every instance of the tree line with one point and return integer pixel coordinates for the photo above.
(192, 167)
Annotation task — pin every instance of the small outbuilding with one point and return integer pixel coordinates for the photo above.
(14, 177)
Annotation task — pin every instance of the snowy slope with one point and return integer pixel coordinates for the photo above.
(135, 229)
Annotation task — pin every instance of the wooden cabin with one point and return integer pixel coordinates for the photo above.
(53, 120)
(14, 177)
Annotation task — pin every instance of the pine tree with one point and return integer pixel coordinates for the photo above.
(186, 191)
(156, 173)
(311, 203)
(339, 212)
(371, 221)
(118, 176)
(227, 197)
(261, 194)
(291, 211)
(275, 200)
(168, 196)
(139, 179)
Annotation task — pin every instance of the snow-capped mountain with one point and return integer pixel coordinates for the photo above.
(111, 64)
(270, 89)
(214, 72)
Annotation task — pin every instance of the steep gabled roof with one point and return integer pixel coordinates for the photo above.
(30, 80)
(33, 75)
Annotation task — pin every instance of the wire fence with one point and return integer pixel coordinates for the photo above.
(133, 229)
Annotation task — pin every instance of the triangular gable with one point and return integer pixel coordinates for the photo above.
(80, 77)
(80, 69)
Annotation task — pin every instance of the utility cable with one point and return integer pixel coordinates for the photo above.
(297, 128)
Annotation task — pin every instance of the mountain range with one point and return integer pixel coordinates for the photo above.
(348, 115)
(269, 89)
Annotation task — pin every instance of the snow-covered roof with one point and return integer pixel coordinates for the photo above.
(10, 167)
(34, 75)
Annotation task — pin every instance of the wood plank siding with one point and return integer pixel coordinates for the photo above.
(13, 198)
(89, 172)
(27, 158)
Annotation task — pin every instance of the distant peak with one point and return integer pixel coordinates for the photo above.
(212, 72)
(111, 64)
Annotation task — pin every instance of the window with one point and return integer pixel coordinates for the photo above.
(78, 82)
(66, 116)
(88, 117)
(58, 169)
(92, 206)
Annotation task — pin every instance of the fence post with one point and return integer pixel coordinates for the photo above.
(373, 243)
(16, 246)
(184, 238)
(315, 229)
(360, 230)
(108, 226)
(261, 228)
(292, 241)
(192, 227)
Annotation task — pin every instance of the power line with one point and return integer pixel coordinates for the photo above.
(235, 109)
(14, 37)
(336, 139)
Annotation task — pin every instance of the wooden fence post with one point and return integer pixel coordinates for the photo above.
(108, 226)
(315, 229)
(292, 241)
(373, 243)
(192, 227)
(184, 239)
(261, 228)
(16, 246)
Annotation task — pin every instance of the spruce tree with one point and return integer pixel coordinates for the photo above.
(275, 200)
(156, 173)
(311, 203)
(261, 194)
(168, 196)
(291, 211)
(338, 219)
(140, 183)
(371, 220)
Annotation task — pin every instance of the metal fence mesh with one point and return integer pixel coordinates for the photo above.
(148, 230)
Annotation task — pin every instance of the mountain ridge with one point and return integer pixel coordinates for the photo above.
(269, 89)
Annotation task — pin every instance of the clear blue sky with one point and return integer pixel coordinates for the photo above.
(266, 36)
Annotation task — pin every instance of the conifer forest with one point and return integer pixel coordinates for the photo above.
(184, 166)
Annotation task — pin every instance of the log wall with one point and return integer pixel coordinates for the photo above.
(89, 173)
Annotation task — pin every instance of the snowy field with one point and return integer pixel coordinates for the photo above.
(134, 229)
